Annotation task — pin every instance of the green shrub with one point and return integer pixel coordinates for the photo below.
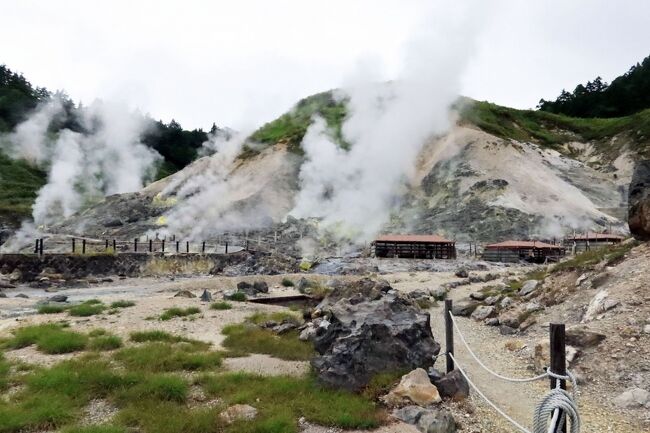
(49, 338)
(86, 309)
(105, 342)
(221, 306)
(122, 304)
(248, 338)
(42, 411)
(157, 387)
(51, 309)
(170, 313)
(4, 372)
(278, 316)
(286, 282)
(97, 332)
(238, 297)
(143, 336)
(158, 357)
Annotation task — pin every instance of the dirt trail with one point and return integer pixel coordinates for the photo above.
(516, 399)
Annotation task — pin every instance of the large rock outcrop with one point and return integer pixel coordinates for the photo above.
(639, 201)
(370, 329)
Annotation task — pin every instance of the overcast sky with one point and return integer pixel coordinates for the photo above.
(240, 63)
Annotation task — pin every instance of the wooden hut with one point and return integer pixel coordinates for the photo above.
(586, 241)
(415, 247)
(515, 251)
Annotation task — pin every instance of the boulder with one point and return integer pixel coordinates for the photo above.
(439, 293)
(15, 276)
(238, 412)
(542, 355)
(284, 327)
(261, 287)
(57, 298)
(581, 336)
(633, 398)
(5, 284)
(506, 302)
(21, 295)
(427, 420)
(453, 385)
(638, 215)
(246, 288)
(308, 332)
(206, 296)
(414, 388)
(464, 309)
(492, 321)
(599, 305)
(528, 287)
(303, 285)
(510, 318)
(492, 300)
(483, 312)
(184, 294)
(462, 273)
(478, 296)
(370, 331)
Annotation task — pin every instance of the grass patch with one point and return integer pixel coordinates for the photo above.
(105, 342)
(249, 338)
(223, 305)
(97, 332)
(48, 338)
(286, 282)
(150, 336)
(381, 384)
(281, 400)
(122, 304)
(278, 316)
(238, 297)
(426, 303)
(586, 260)
(157, 387)
(161, 357)
(102, 428)
(170, 313)
(51, 309)
(87, 308)
(4, 372)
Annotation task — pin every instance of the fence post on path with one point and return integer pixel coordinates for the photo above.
(178, 245)
(135, 245)
(449, 335)
(106, 246)
(150, 245)
(226, 247)
(163, 246)
(73, 246)
(36, 245)
(40, 250)
(203, 247)
(114, 246)
(83, 246)
(187, 246)
(558, 361)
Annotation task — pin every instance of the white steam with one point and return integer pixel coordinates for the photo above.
(82, 167)
(354, 191)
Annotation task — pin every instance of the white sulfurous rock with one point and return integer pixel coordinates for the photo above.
(528, 287)
(599, 305)
(581, 279)
(633, 399)
(238, 412)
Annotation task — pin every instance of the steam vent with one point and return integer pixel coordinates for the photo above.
(415, 247)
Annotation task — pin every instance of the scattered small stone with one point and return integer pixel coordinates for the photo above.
(308, 332)
(184, 294)
(492, 321)
(483, 312)
(57, 298)
(206, 296)
(283, 328)
(492, 300)
(478, 296)
(582, 336)
(507, 330)
(506, 302)
(528, 287)
(453, 385)
(21, 295)
(464, 309)
(462, 273)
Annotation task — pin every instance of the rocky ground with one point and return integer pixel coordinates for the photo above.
(623, 351)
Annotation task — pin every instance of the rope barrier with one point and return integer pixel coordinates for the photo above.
(558, 404)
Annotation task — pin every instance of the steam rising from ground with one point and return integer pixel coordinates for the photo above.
(82, 167)
(354, 191)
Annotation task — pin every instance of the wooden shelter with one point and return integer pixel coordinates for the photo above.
(415, 247)
(586, 241)
(515, 251)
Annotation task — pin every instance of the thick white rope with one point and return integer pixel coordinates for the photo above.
(558, 404)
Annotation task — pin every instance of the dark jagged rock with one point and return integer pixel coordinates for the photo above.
(206, 296)
(639, 201)
(57, 298)
(370, 331)
(452, 385)
(261, 287)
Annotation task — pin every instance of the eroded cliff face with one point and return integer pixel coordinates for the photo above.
(467, 184)
(639, 201)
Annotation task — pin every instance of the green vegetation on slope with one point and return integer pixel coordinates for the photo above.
(19, 183)
(291, 127)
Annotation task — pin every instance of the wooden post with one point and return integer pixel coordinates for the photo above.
(163, 246)
(73, 245)
(203, 247)
(558, 361)
(187, 246)
(449, 335)
(83, 246)
(114, 246)
(226, 247)
(150, 245)
(40, 250)
(178, 245)
(246, 244)
(36, 246)
(135, 245)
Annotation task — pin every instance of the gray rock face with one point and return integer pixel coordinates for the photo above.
(633, 398)
(639, 201)
(370, 331)
(453, 385)
(483, 312)
(427, 420)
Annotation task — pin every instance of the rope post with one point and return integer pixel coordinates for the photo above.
(36, 246)
(558, 362)
(83, 246)
(246, 244)
(449, 336)
(151, 245)
(40, 250)
(135, 245)
(226, 247)
(163, 246)
(73, 245)
(178, 245)
(203, 247)
(106, 245)
(187, 246)
(114, 246)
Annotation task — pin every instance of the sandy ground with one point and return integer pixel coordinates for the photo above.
(153, 295)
